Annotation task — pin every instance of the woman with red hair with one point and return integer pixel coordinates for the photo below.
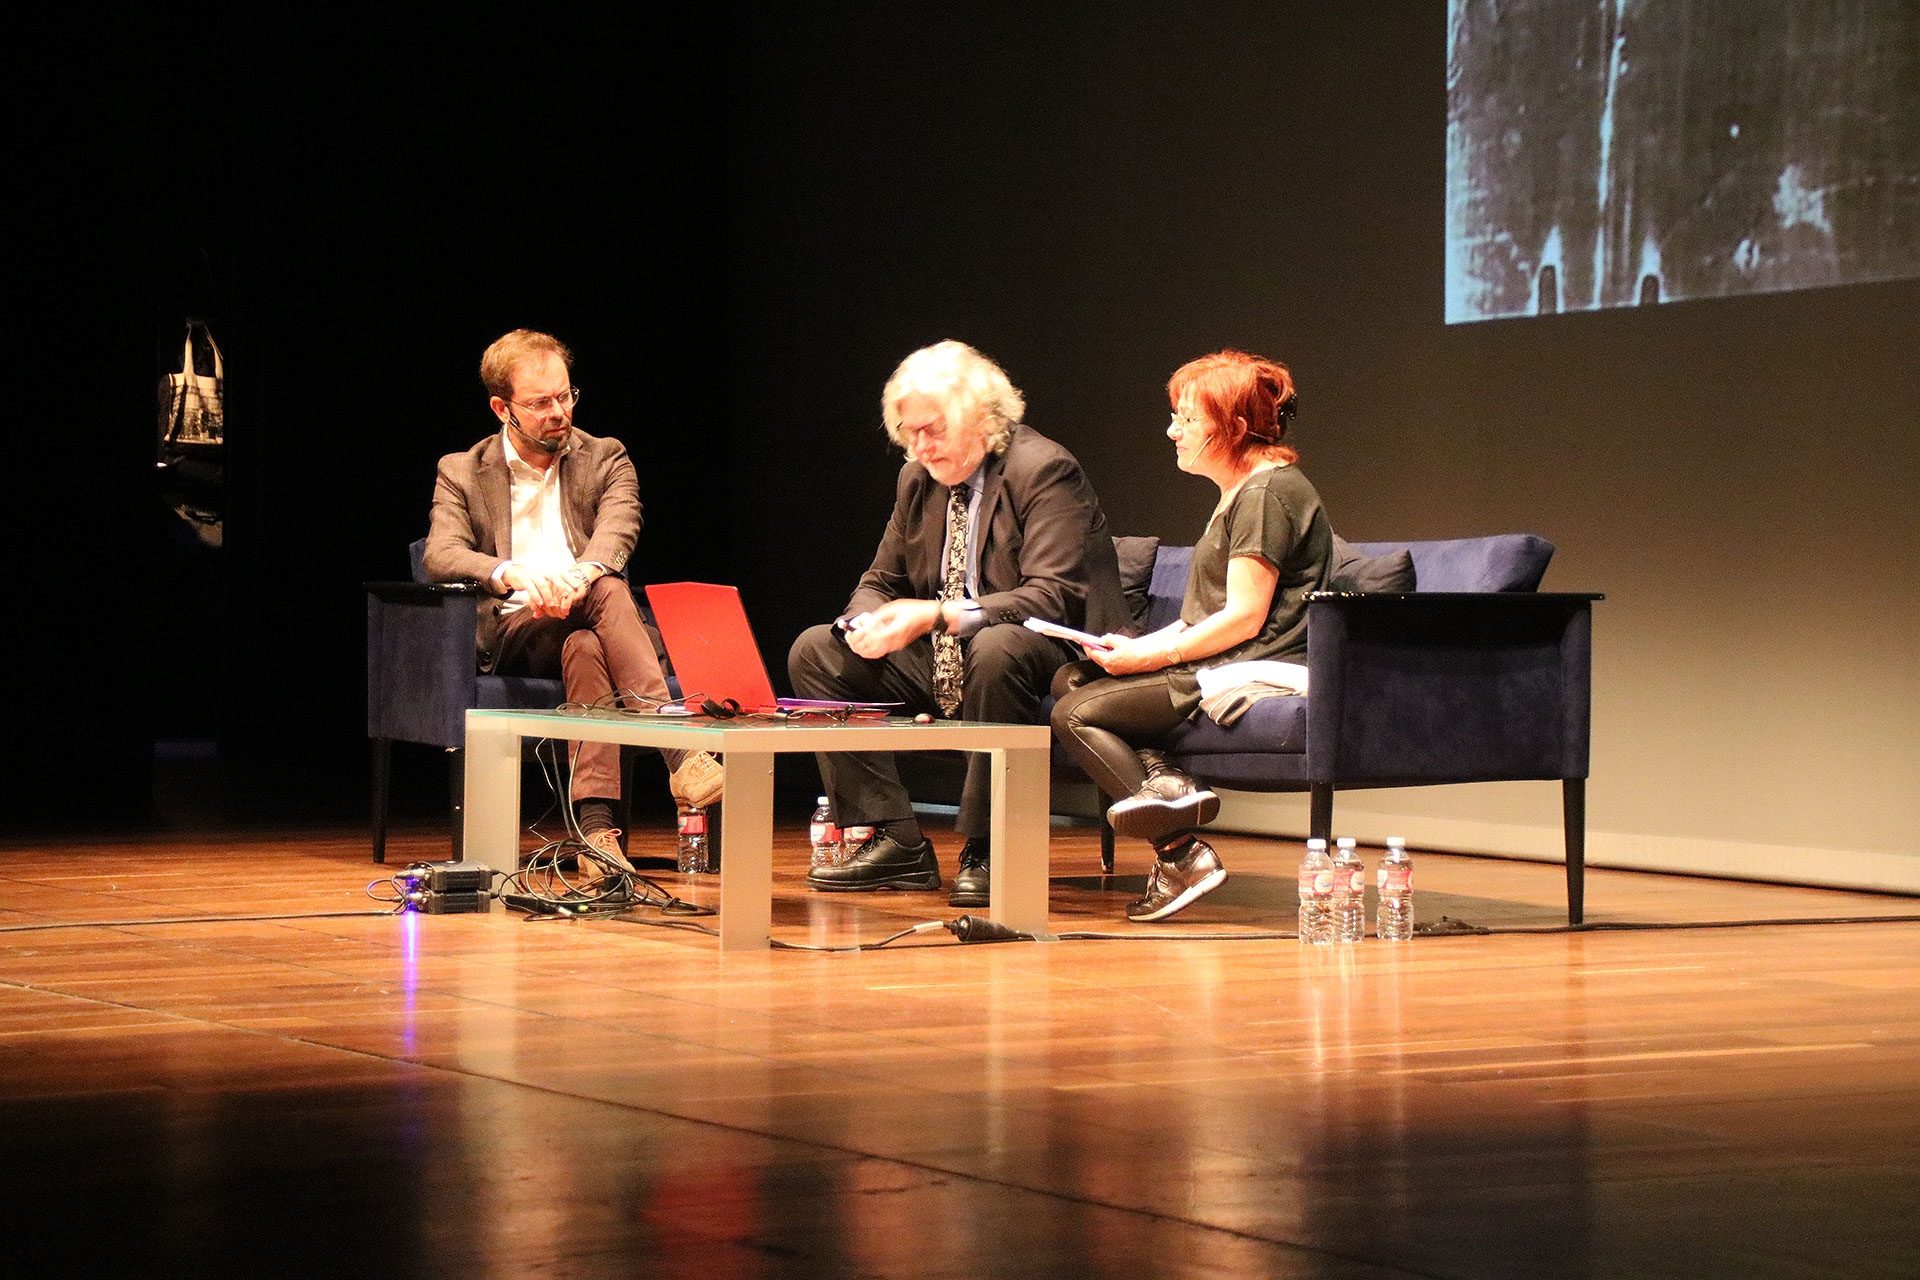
(1267, 546)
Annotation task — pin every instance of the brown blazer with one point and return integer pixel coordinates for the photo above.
(472, 530)
(1046, 551)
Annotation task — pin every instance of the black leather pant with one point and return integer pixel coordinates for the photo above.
(1112, 726)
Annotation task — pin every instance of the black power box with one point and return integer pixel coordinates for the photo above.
(452, 902)
(446, 877)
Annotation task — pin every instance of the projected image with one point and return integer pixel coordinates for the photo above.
(1608, 153)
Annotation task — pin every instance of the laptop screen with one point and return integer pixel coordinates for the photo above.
(705, 629)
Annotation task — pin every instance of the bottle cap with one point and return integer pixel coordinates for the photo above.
(821, 800)
(1345, 842)
(1396, 842)
(1316, 843)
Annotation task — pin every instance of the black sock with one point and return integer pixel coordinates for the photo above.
(1173, 848)
(595, 814)
(902, 831)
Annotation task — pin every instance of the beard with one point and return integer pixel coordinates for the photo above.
(542, 443)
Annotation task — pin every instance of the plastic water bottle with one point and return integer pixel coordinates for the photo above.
(1395, 921)
(851, 838)
(1316, 888)
(1349, 892)
(824, 836)
(693, 840)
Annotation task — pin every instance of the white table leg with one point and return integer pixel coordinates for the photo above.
(1017, 891)
(746, 852)
(491, 832)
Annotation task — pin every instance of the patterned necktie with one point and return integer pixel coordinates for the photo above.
(948, 668)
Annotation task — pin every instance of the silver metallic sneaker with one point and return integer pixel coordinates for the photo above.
(1173, 886)
(1165, 802)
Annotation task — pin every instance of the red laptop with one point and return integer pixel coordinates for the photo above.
(714, 657)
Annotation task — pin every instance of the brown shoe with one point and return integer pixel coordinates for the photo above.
(606, 843)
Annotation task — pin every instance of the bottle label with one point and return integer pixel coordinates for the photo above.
(820, 833)
(693, 824)
(1357, 880)
(858, 835)
(1316, 884)
(1396, 879)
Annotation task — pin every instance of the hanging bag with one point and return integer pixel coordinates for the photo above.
(191, 410)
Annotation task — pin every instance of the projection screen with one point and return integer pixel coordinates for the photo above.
(1607, 153)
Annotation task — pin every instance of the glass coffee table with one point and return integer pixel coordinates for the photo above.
(1020, 772)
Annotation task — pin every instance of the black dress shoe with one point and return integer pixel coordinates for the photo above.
(973, 880)
(882, 863)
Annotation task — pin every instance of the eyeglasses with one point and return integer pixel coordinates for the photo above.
(547, 404)
(1187, 421)
(932, 433)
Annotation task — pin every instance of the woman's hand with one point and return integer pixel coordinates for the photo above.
(1127, 656)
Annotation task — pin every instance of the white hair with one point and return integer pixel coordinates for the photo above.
(971, 390)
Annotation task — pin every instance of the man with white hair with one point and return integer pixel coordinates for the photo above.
(992, 524)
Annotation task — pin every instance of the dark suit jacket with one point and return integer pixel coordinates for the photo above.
(1046, 552)
(472, 530)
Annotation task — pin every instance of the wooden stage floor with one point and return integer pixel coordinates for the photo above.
(486, 1096)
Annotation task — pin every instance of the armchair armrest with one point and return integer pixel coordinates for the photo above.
(421, 590)
(421, 666)
(1448, 687)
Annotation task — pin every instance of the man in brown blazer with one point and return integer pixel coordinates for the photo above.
(992, 524)
(543, 517)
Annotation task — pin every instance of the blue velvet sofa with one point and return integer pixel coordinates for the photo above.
(1465, 673)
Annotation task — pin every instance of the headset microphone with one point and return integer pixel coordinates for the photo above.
(544, 446)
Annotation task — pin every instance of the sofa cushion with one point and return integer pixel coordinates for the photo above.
(1265, 748)
(1503, 562)
(1169, 586)
(1354, 570)
(1269, 724)
(516, 693)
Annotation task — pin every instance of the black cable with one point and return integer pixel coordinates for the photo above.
(1084, 936)
(1625, 926)
(1445, 927)
(121, 924)
(686, 925)
(925, 927)
(546, 889)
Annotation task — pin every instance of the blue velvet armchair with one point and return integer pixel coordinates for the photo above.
(1472, 676)
(422, 677)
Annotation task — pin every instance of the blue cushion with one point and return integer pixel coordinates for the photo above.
(1169, 585)
(517, 693)
(1271, 724)
(1503, 562)
(1264, 749)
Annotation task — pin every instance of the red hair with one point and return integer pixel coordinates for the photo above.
(1248, 399)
